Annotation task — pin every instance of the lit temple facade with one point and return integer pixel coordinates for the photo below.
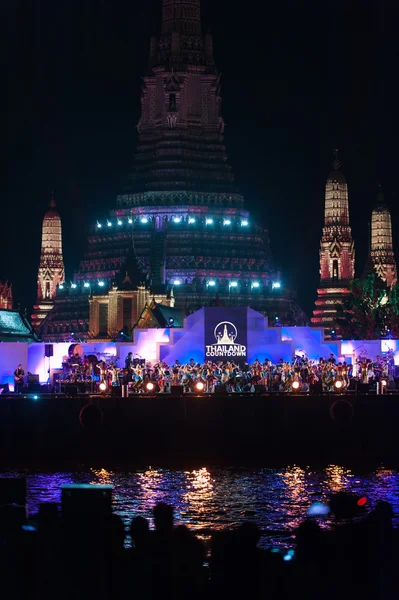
(381, 254)
(337, 252)
(51, 271)
(180, 212)
(5, 295)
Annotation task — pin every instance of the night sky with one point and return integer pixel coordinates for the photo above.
(299, 79)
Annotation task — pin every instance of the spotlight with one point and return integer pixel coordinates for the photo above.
(119, 222)
(211, 283)
(86, 284)
(101, 283)
(143, 220)
(176, 219)
(130, 221)
(227, 222)
(99, 225)
(177, 282)
(244, 223)
(200, 386)
(109, 223)
(233, 284)
(276, 285)
(191, 220)
(255, 284)
(74, 286)
(209, 222)
(149, 386)
(103, 386)
(61, 287)
(296, 385)
(35, 397)
(338, 384)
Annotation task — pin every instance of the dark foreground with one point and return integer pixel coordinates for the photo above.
(81, 554)
(229, 429)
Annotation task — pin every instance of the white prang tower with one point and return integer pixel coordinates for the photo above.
(51, 271)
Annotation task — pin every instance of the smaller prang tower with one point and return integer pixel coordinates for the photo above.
(381, 255)
(337, 252)
(51, 272)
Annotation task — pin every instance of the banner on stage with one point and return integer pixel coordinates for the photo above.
(226, 334)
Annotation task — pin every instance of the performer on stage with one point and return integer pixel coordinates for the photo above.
(19, 374)
(129, 360)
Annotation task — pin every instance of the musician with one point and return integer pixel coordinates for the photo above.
(19, 375)
(129, 360)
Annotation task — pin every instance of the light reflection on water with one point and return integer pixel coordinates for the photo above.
(211, 499)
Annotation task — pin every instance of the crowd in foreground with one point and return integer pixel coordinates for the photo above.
(283, 376)
(83, 555)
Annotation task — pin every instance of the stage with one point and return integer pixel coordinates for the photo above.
(207, 428)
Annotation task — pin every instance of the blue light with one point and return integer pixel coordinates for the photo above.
(276, 285)
(109, 223)
(191, 220)
(99, 225)
(61, 287)
(227, 222)
(35, 397)
(233, 284)
(287, 557)
(211, 283)
(276, 318)
(119, 222)
(176, 219)
(73, 285)
(101, 283)
(86, 285)
(130, 221)
(209, 222)
(275, 550)
(255, 284)
(291, 552)
(144, 220)
(177, 282)
(244, 223)
(317, 508)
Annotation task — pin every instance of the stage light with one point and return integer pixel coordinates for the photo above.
(149, 386)
(255, 284)
(233, 284)
(317, 509)
(276, 285)
(287, 557)
(244, 223)
(176, 219)
(86, 285)
(296, 385)
(103, 386)
(191, 220)
(200, 386)
(227, 222)
(338, 384)
(99, 225)
(35, 397)
(177, 282)
(130, 221)
(119, 222)
(171, 321)
(362, 501)
(73, 285)
(109, 223)
(101, 283)
(209, 222)
(211, 283)
(144, 220)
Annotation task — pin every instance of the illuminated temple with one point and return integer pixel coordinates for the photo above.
(381, 260)
(180, 236)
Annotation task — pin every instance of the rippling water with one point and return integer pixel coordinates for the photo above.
(210, 499)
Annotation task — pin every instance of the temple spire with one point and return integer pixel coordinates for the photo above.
(181, 16)
(52, 201)
(336, 162)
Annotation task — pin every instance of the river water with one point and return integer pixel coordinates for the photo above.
(208, 499)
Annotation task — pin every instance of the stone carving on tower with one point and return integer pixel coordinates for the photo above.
(51, 271)
(5, 295)
(381, 254)
(337, 252)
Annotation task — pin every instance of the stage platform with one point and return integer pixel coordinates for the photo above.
(199, 429)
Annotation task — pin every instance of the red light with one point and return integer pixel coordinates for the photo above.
(362, 501)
